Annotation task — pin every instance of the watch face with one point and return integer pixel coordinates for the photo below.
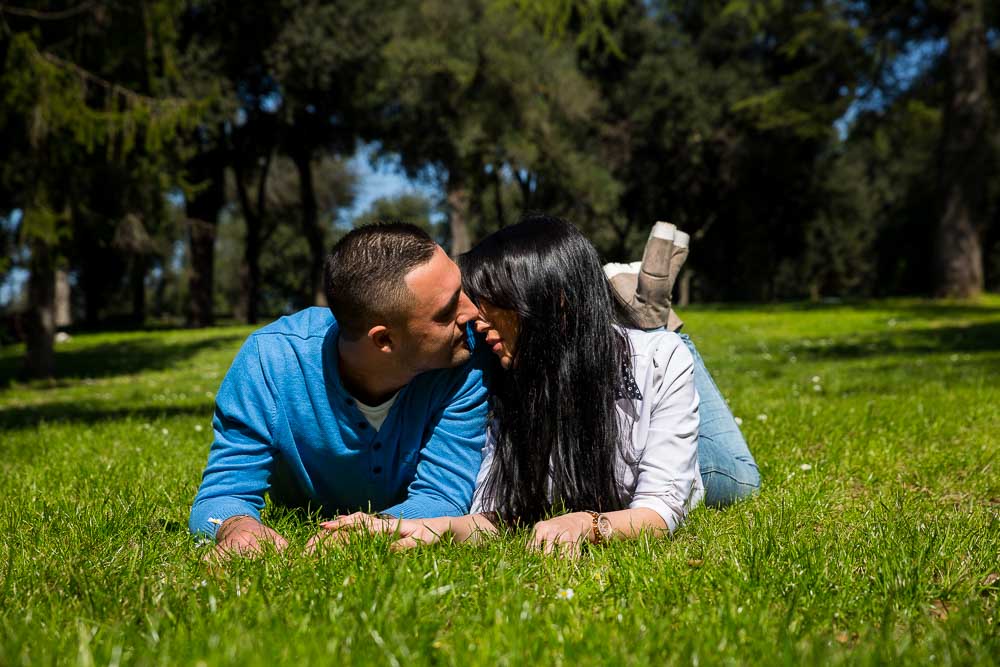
(604, 527)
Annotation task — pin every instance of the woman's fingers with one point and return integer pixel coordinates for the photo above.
(349, 521)
(411, 542)
(361, 520)
(550, 540)
(420, 536)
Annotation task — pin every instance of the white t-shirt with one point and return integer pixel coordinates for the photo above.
(661, 471)
(376, 414)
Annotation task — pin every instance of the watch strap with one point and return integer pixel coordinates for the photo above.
(594, 527)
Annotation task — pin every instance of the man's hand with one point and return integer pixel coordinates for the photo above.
(564, 534)
(245, 536)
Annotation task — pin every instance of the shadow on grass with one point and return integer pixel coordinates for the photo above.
(83, 413)
(983, 337)
(121, 358)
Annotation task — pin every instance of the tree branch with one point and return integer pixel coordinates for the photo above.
(113, 88)
(47, 16)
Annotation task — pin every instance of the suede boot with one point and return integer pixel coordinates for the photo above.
(647, 286)
(653, 286)
(677, 259)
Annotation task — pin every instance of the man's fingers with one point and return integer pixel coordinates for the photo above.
(214, 557)
(226, 551)
(314, 542)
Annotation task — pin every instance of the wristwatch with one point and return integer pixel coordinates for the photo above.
(601, 527)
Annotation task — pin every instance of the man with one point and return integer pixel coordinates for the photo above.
(376, 404)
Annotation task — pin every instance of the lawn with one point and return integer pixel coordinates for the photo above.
(876, 537)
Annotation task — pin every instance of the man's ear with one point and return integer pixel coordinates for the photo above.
(380, 336)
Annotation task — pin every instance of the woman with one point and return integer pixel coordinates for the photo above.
(591, 415)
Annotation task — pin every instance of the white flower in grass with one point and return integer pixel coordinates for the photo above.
(816, 379)
(805, 467)
(739, 422)
(817, 387)
(891, 323)
(165, 432)
(565, 594)
(199, 428)
(762, 417)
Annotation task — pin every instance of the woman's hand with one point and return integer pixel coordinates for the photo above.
(563, 534)
(410, 533)
(414, 534)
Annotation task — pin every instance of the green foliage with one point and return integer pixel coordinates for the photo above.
(591, 19)
(873, 541)
(718, 116)
(477, 90)
(411, 207)
(55, 96)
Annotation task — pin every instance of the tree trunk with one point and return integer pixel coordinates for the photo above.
(200, 307)
(254, 219)
(63, 304)
(208, 170)
(310, 225)
(498, 198)
(964, 153)
(458, 213)
(250, 276)
(39, 359)
(137, 278)
(92, 285)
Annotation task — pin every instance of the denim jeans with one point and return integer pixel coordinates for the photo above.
(728, 470)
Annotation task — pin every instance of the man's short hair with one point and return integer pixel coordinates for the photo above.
(364, 274)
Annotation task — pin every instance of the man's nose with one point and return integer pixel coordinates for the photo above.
(467, 310)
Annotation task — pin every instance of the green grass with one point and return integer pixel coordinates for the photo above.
(875, 539)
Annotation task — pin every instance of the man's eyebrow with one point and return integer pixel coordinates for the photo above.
(449, 307)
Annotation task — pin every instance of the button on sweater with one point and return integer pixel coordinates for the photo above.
(282, 414)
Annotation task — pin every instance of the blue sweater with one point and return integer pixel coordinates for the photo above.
(283, 419)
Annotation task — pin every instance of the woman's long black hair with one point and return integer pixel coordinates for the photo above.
(554, 410)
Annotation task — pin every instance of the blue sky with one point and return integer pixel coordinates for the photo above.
(385, 179)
